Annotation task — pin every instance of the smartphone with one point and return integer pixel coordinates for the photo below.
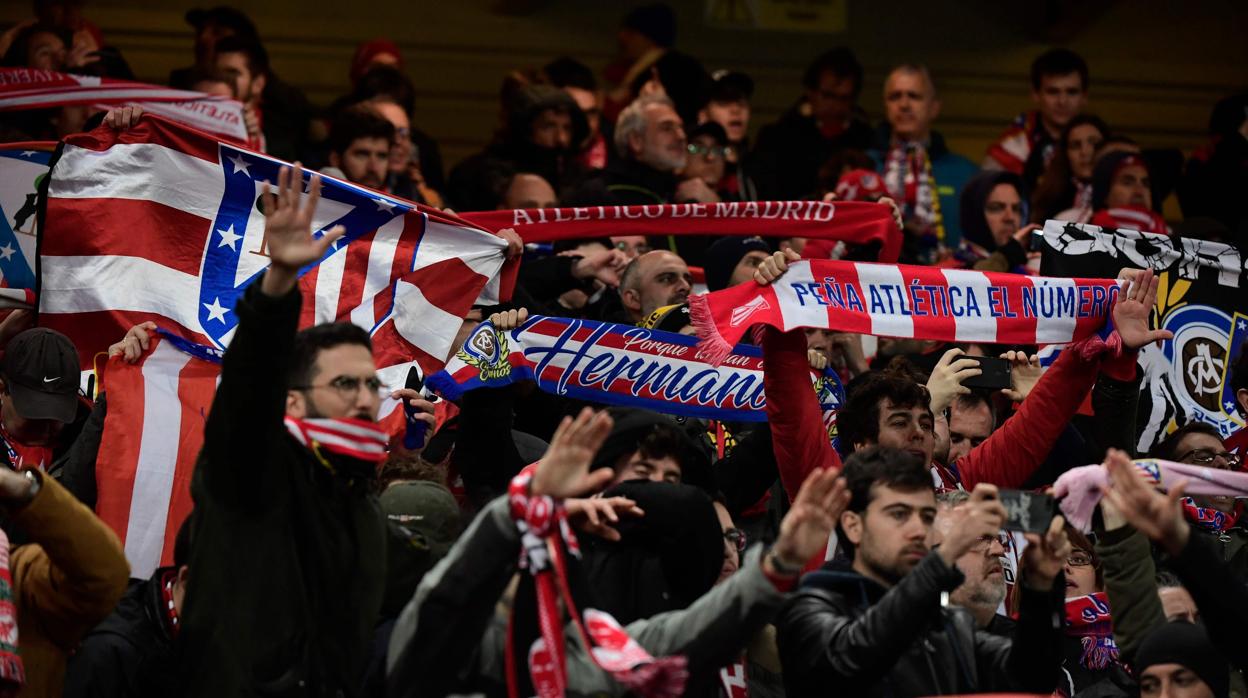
(1031, 512)
(995, 376)
(414, 434)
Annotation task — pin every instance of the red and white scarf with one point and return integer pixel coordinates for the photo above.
(908, 178)
(888, 300)
(853, 222)
(353, 438)
(12, 673)
(550, 553)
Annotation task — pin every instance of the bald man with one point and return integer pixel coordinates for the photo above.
(653, 280)
(528, 190)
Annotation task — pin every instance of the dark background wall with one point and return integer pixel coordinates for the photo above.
(1158, 66)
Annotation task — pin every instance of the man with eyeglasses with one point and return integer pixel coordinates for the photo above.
(708, 144)
(874, 626)
(287, 539)
(984, 589)
(1218, 518)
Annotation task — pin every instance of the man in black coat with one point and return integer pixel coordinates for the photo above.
(132, 652)
(875, 626)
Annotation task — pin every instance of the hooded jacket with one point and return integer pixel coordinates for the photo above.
(844, 630)
(450, 640)
(976, 236)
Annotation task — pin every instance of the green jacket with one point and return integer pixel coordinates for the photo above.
(448, 638)
(287, 561)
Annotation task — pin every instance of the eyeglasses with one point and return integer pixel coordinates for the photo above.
(984, 544)
(715, 151)
(639, 249)
(737, 537)
(348, 387)
(1206, 456)
(1079, 558)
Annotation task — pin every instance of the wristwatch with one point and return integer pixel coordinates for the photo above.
(781, 567)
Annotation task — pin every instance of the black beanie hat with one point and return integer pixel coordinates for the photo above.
(1103, 174)
(1188, 645)
(723, 256)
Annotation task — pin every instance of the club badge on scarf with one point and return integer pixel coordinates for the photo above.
(1088, 618)
(620, 365)
(895, 300)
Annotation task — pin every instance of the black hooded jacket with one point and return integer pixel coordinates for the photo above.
(475, 183)
(846, 631)
(975, 226)
(131, 653)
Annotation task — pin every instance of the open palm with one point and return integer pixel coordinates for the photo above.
(288, 223)
(1133, 310)
(564, 470)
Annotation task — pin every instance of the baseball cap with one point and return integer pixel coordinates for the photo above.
(40, 367)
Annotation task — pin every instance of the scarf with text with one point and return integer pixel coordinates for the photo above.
(852, 222)
(889, 300)
(622, 365)
(1088, 618)
(1209, 518)
(1080, 489)
(551, 556)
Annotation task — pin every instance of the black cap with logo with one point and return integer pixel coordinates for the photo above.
(40, 367)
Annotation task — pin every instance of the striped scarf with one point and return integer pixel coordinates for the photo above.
(886, 300)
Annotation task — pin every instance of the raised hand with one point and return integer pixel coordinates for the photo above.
(564, 471)
(603, 265)
(288, 230)
(945, 383)
(1025, 372)
(509, 320)
(887, 201)
(599, 515)
(982, 516)
(805, 529)
(137, 341)
(1045, 556)
(1134, 307)
(515, 246)
(774, 266)
(122, 118)
(1158, 516)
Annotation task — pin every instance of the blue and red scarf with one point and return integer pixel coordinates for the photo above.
(1088, 618)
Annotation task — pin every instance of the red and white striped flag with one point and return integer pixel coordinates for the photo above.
(154, 429)
(160, 222)
(30, 88)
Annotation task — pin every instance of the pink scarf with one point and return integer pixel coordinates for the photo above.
(1079, 489)
(890, 300)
